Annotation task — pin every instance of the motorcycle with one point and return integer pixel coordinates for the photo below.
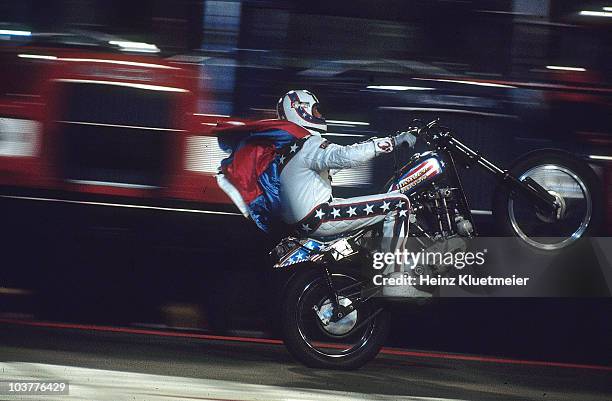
(333, 317)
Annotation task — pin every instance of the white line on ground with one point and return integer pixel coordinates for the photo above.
(108, 385)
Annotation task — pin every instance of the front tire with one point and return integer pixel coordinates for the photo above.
(344, 345)
(569, 179)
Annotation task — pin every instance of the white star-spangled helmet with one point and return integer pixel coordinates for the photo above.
(302, 108)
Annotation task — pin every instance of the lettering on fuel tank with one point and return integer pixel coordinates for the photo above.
(415, 178)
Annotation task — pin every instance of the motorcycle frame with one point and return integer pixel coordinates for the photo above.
(452, 149)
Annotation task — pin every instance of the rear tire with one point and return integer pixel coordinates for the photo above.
(308, 352)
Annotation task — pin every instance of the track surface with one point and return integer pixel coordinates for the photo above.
(121, 366)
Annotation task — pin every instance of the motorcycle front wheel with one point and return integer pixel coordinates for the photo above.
(574, 185)
(346, 344)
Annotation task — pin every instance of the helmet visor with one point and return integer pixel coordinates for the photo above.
(316, 111)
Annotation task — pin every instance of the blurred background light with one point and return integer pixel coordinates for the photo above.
(399, 88)
(600, 157)
(338, 134)
(37, 56)
(119, 62)
(135, 46)
(14, 32)
(563, 68)
(348, 123)
(596, 13)
(126, 84)
(211, 115)
(477, 83)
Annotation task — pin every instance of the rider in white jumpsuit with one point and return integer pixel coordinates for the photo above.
(306, 190)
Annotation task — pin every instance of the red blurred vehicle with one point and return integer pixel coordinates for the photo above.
(100, 122)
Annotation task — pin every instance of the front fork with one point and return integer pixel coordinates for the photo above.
(527, 188)
(341, 311)
(333, 294)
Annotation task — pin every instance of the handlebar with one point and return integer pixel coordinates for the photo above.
(430, 132)
(419, 128)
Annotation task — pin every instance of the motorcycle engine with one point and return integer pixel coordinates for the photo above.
(437, 214)
(438, 225)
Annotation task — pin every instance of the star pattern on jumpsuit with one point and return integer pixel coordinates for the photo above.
(282, 159)
(349, 211)
(294, 148)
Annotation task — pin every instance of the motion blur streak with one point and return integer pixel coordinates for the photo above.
(37, 56)
(459, 81)
(135, 46)
(98, 60)
(15, 33)
(399, 88)
(348, 135)
(562, 68)
(128, 330)
(210, 115)
(440, 110)
(126, 84)
(168, 209)
(596, 14)
(387, 351)
(333, 122)
(120, 126)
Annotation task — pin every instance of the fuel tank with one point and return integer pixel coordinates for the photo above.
(421, 169)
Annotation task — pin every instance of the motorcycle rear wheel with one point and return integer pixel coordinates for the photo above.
(345, 345)
(571, 181)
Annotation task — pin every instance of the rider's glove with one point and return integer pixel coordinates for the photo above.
(405, 137)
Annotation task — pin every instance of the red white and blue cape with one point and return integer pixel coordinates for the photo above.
(253, 165)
